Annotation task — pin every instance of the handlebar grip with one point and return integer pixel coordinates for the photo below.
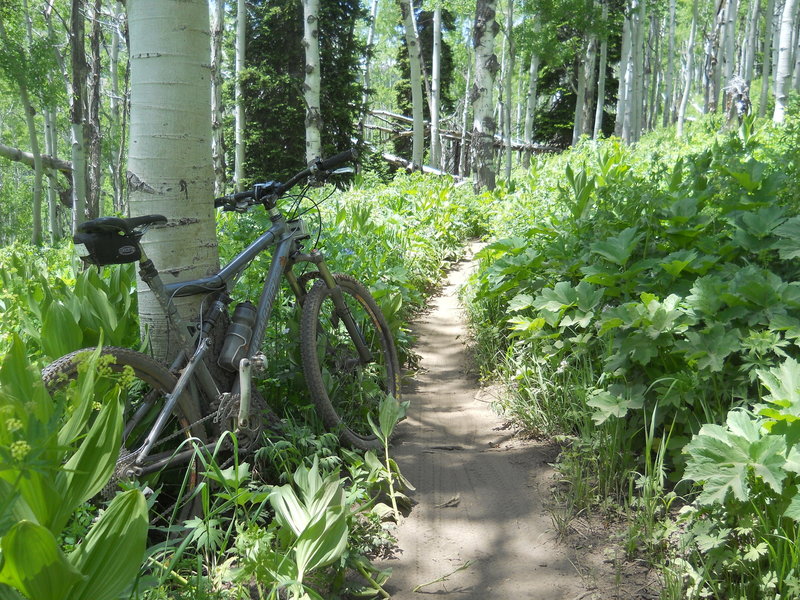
(338, 159)
(226, 200)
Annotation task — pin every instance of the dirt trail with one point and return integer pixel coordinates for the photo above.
(480, 494)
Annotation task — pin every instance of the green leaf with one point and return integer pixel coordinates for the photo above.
(89, 469)
(722, 458)
(789, 245)
(615, 402)
(34, 564)
(783, 383)
(793, 509)
(705, 296)
(762, 222)
(111, 554)
(60, 331)
(561, 295)
(520, 302)
(676, 262)
(709, 348)
(618, 248)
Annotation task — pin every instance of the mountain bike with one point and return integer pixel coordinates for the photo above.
(349, 360)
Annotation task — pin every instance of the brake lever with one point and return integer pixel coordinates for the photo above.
(343, 171)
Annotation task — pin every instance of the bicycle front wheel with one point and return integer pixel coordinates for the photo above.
(344, 385)
(144, 385)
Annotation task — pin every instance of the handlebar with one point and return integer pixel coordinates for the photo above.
(272, 190)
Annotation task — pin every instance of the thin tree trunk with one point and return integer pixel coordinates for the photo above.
(33, 137)
(729, 56)
(464, 153)
(217, 130)
(752, 37)
(369, 50)
(670, 74)
(687, 89)
(170, 170)
(415, 61)
(92, 126)
(766, 58)
(51, 148)
(311, 87)
(116, 116)
(530, 103)
(590, 81)
(624, 72)
(486, 67)
(783, 74)
(78, 141)
(601, 78)
(508, 86)
(796, 74)
(637, 103)
(241, 37)
(580, 99)
(436, 142)
(36, 234)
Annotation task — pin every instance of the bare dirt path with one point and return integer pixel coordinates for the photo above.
(480, 494)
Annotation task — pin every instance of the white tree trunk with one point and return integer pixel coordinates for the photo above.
(670, 74)
(796, 74)
(637, 97)
(783, 74)
(530, 102)
(601, 79)
(577, 126)
(766, 62)
(486, 67)
(51, 148)
(687, 86)
(436, 142)
(217, 131)
(624, 76)
(311, 86)
(729, 55)
(33, 136)
(752, 37)
(373, 13)
(169, 164)
(464, 153)
(415, 62)
(116, 102)
(508, 85)
(241, 44)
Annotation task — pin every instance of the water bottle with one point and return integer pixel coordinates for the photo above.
(237, 338)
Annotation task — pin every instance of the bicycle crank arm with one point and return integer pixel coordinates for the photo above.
(245, 383)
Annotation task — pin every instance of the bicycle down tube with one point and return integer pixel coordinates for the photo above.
(222, 281)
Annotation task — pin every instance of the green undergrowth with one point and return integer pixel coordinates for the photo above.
(302, 517)
(643, 304)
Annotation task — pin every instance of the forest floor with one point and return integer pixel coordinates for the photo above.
(482, 523)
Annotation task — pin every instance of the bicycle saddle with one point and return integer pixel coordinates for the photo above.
(118, 225)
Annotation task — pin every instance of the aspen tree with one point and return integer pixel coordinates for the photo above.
(170, 171)
(311, 84)
(486, 67)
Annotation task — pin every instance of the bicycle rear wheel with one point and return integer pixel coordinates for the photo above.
(344, 387)
(144, 384)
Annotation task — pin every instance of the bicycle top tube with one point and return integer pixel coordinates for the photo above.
(227, 275)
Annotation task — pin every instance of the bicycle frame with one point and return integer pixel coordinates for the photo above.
(284, 235)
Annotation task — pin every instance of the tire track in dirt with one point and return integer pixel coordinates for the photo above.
(480, 493)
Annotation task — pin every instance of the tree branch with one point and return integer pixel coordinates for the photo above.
(26, 158)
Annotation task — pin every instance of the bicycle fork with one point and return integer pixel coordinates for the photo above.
(342, 310)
